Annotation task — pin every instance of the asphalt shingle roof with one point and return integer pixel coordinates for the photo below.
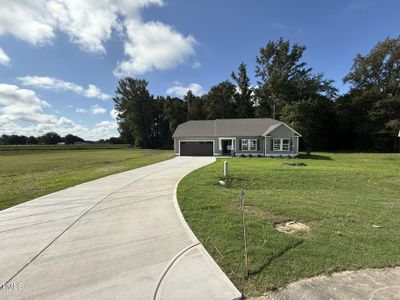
(226, 127)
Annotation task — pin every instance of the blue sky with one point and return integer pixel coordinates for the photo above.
(60, 60)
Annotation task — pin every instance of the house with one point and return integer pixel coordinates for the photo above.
(255, 137)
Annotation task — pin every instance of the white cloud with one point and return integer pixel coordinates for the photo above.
(97, 110)
(154, 46)
(90, 23)
(80, 110)
(113, 113)
(180, 91)
(38, 26)
(22, 106)
(102, 130)
(94, 92)
(4, 59)
(51, 83)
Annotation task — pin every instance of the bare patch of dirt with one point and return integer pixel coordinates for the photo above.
(281, 223)
(291, 227)
(262, 214)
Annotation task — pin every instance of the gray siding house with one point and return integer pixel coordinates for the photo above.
(256, 137)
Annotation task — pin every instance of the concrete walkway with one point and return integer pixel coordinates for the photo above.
(369, 284)
(118, 237)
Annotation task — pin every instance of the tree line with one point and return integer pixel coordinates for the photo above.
(51, 138)
(366, 118)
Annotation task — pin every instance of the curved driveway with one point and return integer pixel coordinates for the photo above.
(118, 237)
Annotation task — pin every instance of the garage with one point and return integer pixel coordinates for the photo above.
(196, 148)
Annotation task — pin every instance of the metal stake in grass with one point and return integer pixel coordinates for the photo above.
(245, 256)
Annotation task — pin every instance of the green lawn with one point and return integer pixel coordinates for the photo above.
(340, 196)
(27, 174)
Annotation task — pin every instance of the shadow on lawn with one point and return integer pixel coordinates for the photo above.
(314, 156)
(276, 256)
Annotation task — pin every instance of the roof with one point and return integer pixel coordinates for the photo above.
(228, 127)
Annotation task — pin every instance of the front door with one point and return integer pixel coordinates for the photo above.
(226, 147)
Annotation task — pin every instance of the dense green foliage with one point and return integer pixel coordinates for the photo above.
(26, 174)
(365, 118)
(371, 110)
(64, 147)
(51, 138)
(350, 202)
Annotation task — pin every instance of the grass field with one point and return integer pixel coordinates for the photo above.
(63, 147)
(339, 196)
(27, 174)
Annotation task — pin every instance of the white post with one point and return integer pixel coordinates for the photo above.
(226, 169)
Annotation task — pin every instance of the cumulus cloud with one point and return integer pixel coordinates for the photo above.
(4, 59)
(39, 26)
(97, 110)
(180, 91)
(89, 24)
(22, 106)
(154, 46)
(51, 83)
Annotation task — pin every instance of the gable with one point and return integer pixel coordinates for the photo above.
(281, 130)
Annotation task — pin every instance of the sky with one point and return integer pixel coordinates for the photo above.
(60, 60)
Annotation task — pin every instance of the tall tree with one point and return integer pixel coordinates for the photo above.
(220, 101)
(71, 139)
(379, 69)
(374, 96)
(134, 105)
(195, 106)
(50, 138)
(284, 78)
(316, 119)
(175, 111)
(243, 99)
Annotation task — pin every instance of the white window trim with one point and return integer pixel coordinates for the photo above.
(280, 144)
(248, 145)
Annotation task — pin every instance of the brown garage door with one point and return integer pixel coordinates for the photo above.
(196, 148)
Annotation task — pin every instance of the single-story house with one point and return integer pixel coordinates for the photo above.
(256, 137)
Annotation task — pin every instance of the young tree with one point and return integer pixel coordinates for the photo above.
(220, 101)
(243, 99)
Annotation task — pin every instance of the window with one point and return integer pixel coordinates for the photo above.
(245, 145)
(281, 144)
(253, 145)
(249, 145)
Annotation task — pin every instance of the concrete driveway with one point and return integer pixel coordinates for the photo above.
(118, 237)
